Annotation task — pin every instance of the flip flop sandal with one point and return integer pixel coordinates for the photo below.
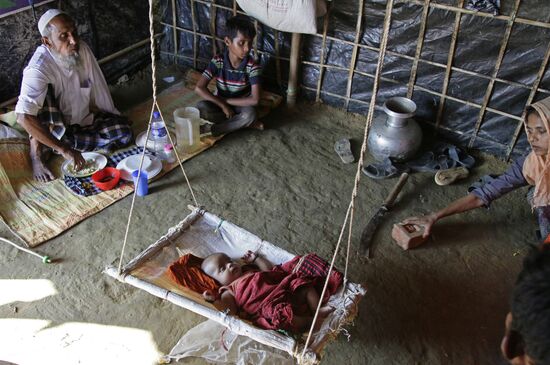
(343, 149)
(384, 170)
(449, 176)
(428, 162)
(484, 180)
(455, 153)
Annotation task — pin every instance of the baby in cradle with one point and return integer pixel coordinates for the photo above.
(283, 296)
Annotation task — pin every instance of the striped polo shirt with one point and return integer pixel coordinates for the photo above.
(230, 82)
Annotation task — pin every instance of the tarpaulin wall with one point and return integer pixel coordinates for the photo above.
(107, 27)
(470, 73)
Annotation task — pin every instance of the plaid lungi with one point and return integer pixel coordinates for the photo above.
(108, 132)
(314, 268)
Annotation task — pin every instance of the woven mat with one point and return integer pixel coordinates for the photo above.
(40, 211)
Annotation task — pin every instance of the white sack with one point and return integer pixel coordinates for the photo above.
(294, 16)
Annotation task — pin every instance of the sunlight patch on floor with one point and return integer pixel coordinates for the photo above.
(21, 290)
(32, 341)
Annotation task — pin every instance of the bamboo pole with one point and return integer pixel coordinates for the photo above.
(292, 90)
(322, 56)
(257, 29)
(500, 57)
(450, 59)
(540, 75)
(277, 59)
(353, 60)
(234, 7)
(418, 52)
(174, 30)
(195, 43)
(213, 12)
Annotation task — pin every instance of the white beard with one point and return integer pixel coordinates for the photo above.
(67, 62)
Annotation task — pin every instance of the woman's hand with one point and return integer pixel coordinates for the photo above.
(249, 257)
(426, 222)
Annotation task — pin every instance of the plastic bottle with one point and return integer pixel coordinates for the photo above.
(158, 133)
(169, 154)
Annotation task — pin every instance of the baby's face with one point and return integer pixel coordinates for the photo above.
(221, 268)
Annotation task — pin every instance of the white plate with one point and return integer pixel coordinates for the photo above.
(140, 140)
(153, 166)
(98, 159)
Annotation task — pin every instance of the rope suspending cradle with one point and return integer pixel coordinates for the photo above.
(202, 233)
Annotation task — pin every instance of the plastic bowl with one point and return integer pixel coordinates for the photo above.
(106, 178)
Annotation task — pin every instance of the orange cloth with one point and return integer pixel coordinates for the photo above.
(187, 271)
(536, 168)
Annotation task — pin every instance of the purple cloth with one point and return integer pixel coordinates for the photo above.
(510, 180)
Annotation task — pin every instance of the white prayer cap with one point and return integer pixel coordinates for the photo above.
(45, 19)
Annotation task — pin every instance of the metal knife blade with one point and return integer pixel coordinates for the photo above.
(370, 229)
(372, 225)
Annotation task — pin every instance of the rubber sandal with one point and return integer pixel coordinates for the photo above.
(384, 170)
(455, 153)
(449, 176)
(428, 162)
(343, 149)
(484, 180)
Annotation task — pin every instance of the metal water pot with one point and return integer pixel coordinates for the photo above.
(398, 135)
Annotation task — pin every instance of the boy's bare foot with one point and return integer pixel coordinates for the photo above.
(257, 125)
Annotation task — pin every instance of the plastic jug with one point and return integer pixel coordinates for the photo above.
(187, 127)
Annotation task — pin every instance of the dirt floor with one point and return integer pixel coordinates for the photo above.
(443, 303)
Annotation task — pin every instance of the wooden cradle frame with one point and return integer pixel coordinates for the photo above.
(229, 238)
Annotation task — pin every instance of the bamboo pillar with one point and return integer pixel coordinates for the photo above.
(292, 90)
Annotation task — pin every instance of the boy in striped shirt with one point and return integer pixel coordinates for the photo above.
(237, 76)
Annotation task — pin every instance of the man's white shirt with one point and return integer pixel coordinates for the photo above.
(76, 91)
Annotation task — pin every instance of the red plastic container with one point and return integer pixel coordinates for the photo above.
(107, 178)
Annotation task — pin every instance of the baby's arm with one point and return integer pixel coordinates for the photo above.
(223, 302)
(254, 258)
(227, 301)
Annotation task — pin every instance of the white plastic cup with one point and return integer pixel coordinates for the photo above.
(187, 126)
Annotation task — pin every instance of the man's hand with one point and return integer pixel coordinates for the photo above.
(426, 221)
(74, 155)
(228, 111)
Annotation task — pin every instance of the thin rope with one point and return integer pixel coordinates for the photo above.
(45, 259)
(155, 105)
(349, 213)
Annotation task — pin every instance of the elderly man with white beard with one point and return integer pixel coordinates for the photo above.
(65, 104)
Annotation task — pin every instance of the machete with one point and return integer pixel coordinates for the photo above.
(370, 229)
